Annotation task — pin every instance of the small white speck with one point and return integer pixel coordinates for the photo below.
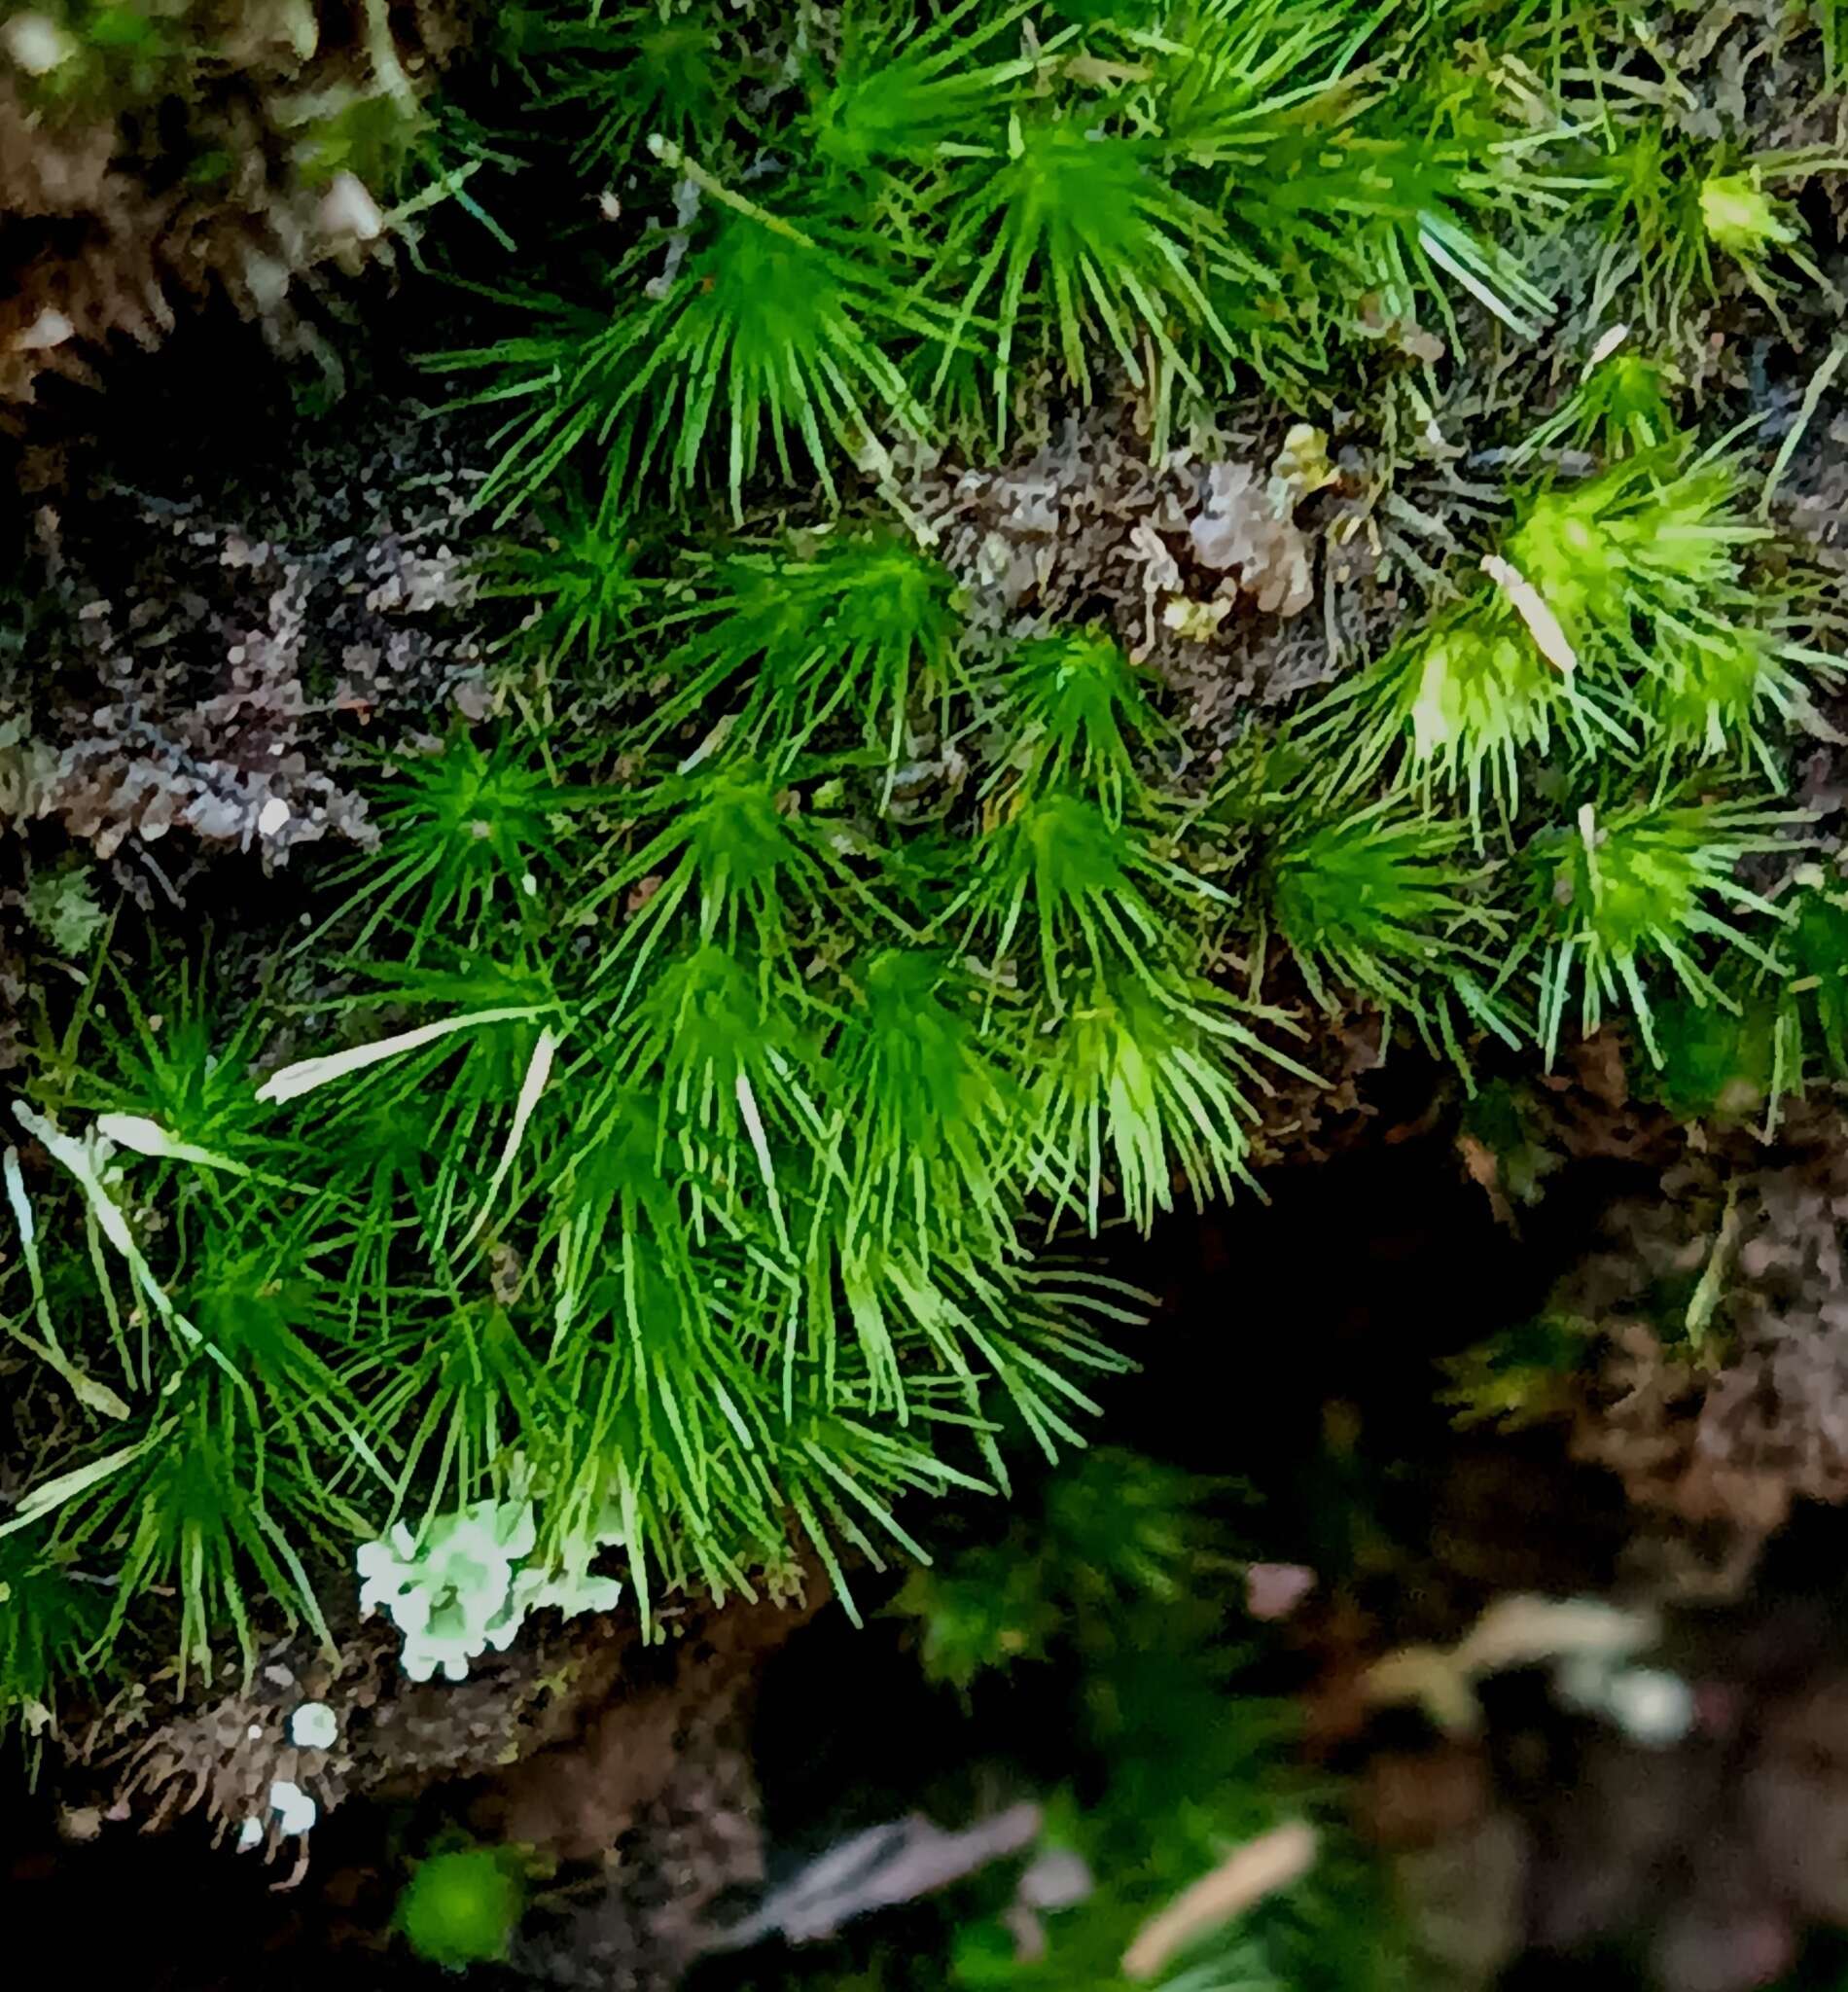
(273, 816)
(37, 44)
(314, 1727)
(296, 1812)
(50, 328)
(348, 210)
(1651, 1706)
(1608, 342)
(249, 1835)
(254, 1732)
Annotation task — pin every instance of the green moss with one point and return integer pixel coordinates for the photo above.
(49, 1623)
(1627, 893)
(373, 135)
(1717, 1063)
(957, 202)
(674, 1140)
(670, 1119)
(1103, 1609)
(462, 1908)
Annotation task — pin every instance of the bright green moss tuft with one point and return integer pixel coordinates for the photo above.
(461, 1909)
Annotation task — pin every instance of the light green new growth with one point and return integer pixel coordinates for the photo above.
(1638, 886)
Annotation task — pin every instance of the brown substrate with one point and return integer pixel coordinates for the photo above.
(137, 187)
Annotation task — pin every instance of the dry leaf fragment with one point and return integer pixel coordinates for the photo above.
(1516, 1631)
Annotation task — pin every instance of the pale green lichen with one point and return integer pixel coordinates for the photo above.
(468, 1585)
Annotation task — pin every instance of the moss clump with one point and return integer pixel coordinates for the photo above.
(676, 1122)
(462, 1908)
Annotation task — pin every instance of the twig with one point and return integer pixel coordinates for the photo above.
(1246, 1876)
